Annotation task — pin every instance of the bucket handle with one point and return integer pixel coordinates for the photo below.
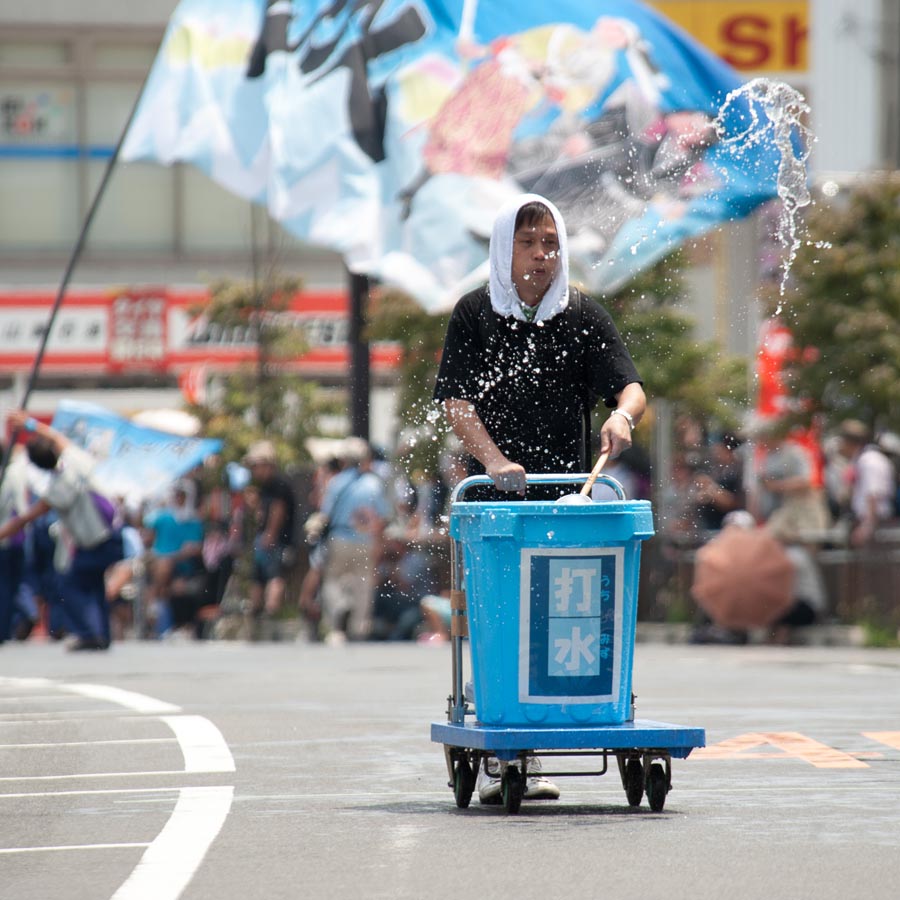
(472, 480)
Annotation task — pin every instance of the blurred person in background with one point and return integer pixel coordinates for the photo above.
(790, 503)
(889, 444)
(13, 502)
(274, 551)
(356, 509)
(175, 564)
(872, 482)
(720, 486)
(309, 601)
(89, 539)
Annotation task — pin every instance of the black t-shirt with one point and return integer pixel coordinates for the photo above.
(278, 488)
(531, 382)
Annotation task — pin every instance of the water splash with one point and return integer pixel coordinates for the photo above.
(775, 112)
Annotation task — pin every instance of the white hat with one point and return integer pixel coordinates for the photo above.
(261, 452)
(889, 442)
(355, 449)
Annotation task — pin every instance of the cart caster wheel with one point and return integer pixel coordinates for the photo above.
(657, 787)
(463, 782)
(512, 789)
(634, 782)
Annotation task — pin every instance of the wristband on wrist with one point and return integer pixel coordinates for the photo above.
(30, 424)
(625, 415)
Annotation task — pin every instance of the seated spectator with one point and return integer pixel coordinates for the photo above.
(176, 574)
(720, 488)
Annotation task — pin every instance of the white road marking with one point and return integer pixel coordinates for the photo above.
(137, 702)
(54, 745)
(20, 683)
(169, 863)
(171, 859)
(36, 698)
(75, 776)
(37, 795)
(202, 744)
(11, 850)
(49, 718)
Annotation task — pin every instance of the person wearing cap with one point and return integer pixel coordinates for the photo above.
(872, 482)
(273, 548)
(527, 356)
(356, 509)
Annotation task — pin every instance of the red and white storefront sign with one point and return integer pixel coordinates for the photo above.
(147, 330)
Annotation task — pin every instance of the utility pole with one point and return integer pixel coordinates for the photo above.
(359, 356)
(890, 83)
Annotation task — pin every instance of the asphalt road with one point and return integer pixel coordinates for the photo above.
(228, 770)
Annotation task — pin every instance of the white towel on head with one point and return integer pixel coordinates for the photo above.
(505, 298)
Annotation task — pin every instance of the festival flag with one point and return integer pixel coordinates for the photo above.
(392, 130)
(132, 461)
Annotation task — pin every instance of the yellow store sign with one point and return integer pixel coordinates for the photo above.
(750, 35)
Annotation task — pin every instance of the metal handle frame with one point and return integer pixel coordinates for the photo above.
(472, 480)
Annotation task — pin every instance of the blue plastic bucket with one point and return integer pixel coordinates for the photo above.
(551, 593)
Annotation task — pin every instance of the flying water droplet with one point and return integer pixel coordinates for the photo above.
(774, 112)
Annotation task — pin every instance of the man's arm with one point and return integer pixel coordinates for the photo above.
(468, 427)
(17, 523)
(615, 435)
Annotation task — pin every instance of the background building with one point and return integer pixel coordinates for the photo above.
(70, 71)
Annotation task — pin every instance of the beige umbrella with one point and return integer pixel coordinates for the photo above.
(743, 578)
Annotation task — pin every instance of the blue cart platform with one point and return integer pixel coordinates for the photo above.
(546, 594)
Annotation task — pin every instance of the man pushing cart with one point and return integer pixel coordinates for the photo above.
(550, 588)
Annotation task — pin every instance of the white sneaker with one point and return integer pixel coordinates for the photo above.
(536, 786)
(488, 783)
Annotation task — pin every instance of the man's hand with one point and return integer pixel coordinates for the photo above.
(507, 476)
(17, 419)
(615, 435)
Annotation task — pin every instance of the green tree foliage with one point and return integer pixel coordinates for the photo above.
(395, 316)
(697, 377)
(842, 306)
(265, 398)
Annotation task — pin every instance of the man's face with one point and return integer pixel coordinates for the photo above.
(535, 258)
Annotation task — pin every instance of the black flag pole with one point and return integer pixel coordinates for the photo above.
(358, 347)
(67, 275)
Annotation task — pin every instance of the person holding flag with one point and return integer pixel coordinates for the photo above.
(90, 537)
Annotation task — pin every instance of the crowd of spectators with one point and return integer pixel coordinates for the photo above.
(349, 550)
(358, 548)
(836, 490)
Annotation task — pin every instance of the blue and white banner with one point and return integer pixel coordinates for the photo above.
(133, 462)
(570, 641)
(392, 130)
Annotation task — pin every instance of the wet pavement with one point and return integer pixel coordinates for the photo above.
(292, 770)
